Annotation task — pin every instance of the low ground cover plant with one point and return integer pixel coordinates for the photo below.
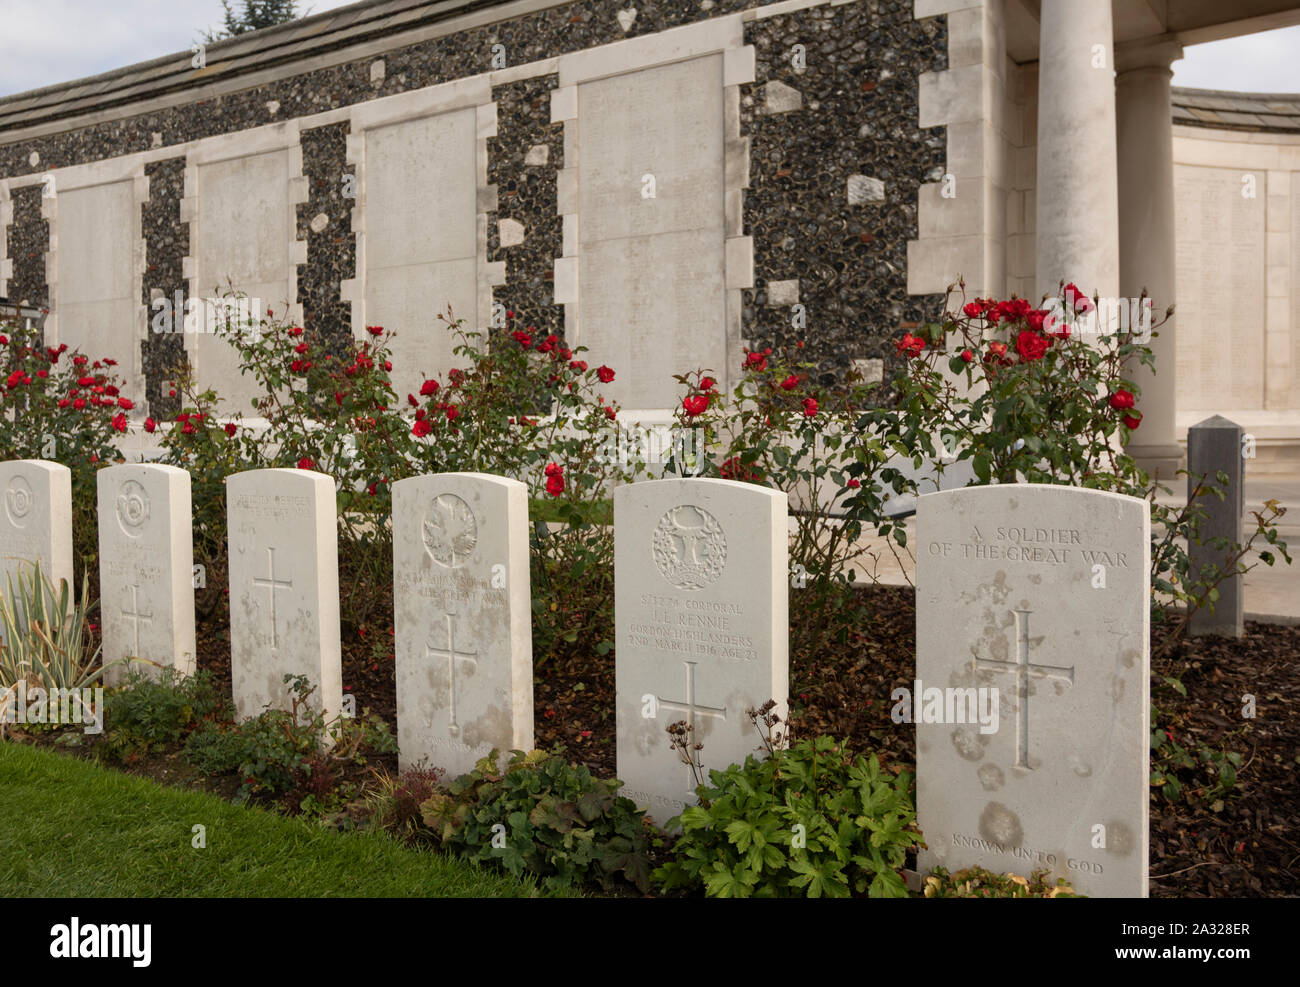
(812, 819)
(543, 816)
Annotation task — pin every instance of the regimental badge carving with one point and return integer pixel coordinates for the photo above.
(132, 508)
(450, 531)
(19, 501)
(689, 547)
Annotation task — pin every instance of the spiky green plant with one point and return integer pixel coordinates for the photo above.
(46, 635)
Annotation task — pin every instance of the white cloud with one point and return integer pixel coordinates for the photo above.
(1258, 63)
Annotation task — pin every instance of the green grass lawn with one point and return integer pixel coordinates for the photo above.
(71, 829)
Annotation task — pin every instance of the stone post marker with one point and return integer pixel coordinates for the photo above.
(1031, 700)
(702, 627)
(284, 588)
(146, 565)
(463, 615)
(1214, 446)
(36, 523)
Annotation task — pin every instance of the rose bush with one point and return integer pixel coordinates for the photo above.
(826, 448)
(58, 404)
(526, 407)
(1024, 396)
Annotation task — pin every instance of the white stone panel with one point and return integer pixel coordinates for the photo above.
(652, 268)
(421, 238)
(1221, 270)
(97, 243)
(244, 222)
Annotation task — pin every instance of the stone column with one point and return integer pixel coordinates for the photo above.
(1077, 200)
(1146, 235)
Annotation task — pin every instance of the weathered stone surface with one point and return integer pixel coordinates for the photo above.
(36, 523)
(284, 588)
(1041, 593)
(702, 631)
(463, 619)
(1215, 446)
(146, 563)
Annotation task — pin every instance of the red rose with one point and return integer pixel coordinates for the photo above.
(707, 384)
(86, 381)
(754, 361)
(973, 310)
(695, 405)
(452, 412)
(809, 407)
(428, 387)
(522, 338)
(64, 402)
(150, 425)
(579, 365)
(421, 429)
(77, 361)
(548, 344)
(853, 484)
(126, 403)
(295, 331)
(1133, 421)
(605, 374)
(610, 413)
(306, 464)
(301, 348)
(1031, 346)
(230, 429)
(554, 479)
(1121, 400)
(42, 374)
(375, 330)
(79, 403)
(909, 345)
(790, 383)
(967, 356)
(119, 423)
(187, 429)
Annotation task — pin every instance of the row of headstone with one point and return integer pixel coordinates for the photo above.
(1030, 704)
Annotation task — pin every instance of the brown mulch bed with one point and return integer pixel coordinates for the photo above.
(1244, 845)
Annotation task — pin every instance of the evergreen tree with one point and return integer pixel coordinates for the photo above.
(256, 14)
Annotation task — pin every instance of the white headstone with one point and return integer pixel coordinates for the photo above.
(284, 588)
(146, 564)
(702, 631)
(463, 619)
(37, 519)
(1042, 593)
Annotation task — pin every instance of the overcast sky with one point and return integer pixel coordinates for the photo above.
(43, 42)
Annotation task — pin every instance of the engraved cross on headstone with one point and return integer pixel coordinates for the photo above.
(452, 656)
(135, 616)
(271, 583)
(689, 707)
(1022, 666)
